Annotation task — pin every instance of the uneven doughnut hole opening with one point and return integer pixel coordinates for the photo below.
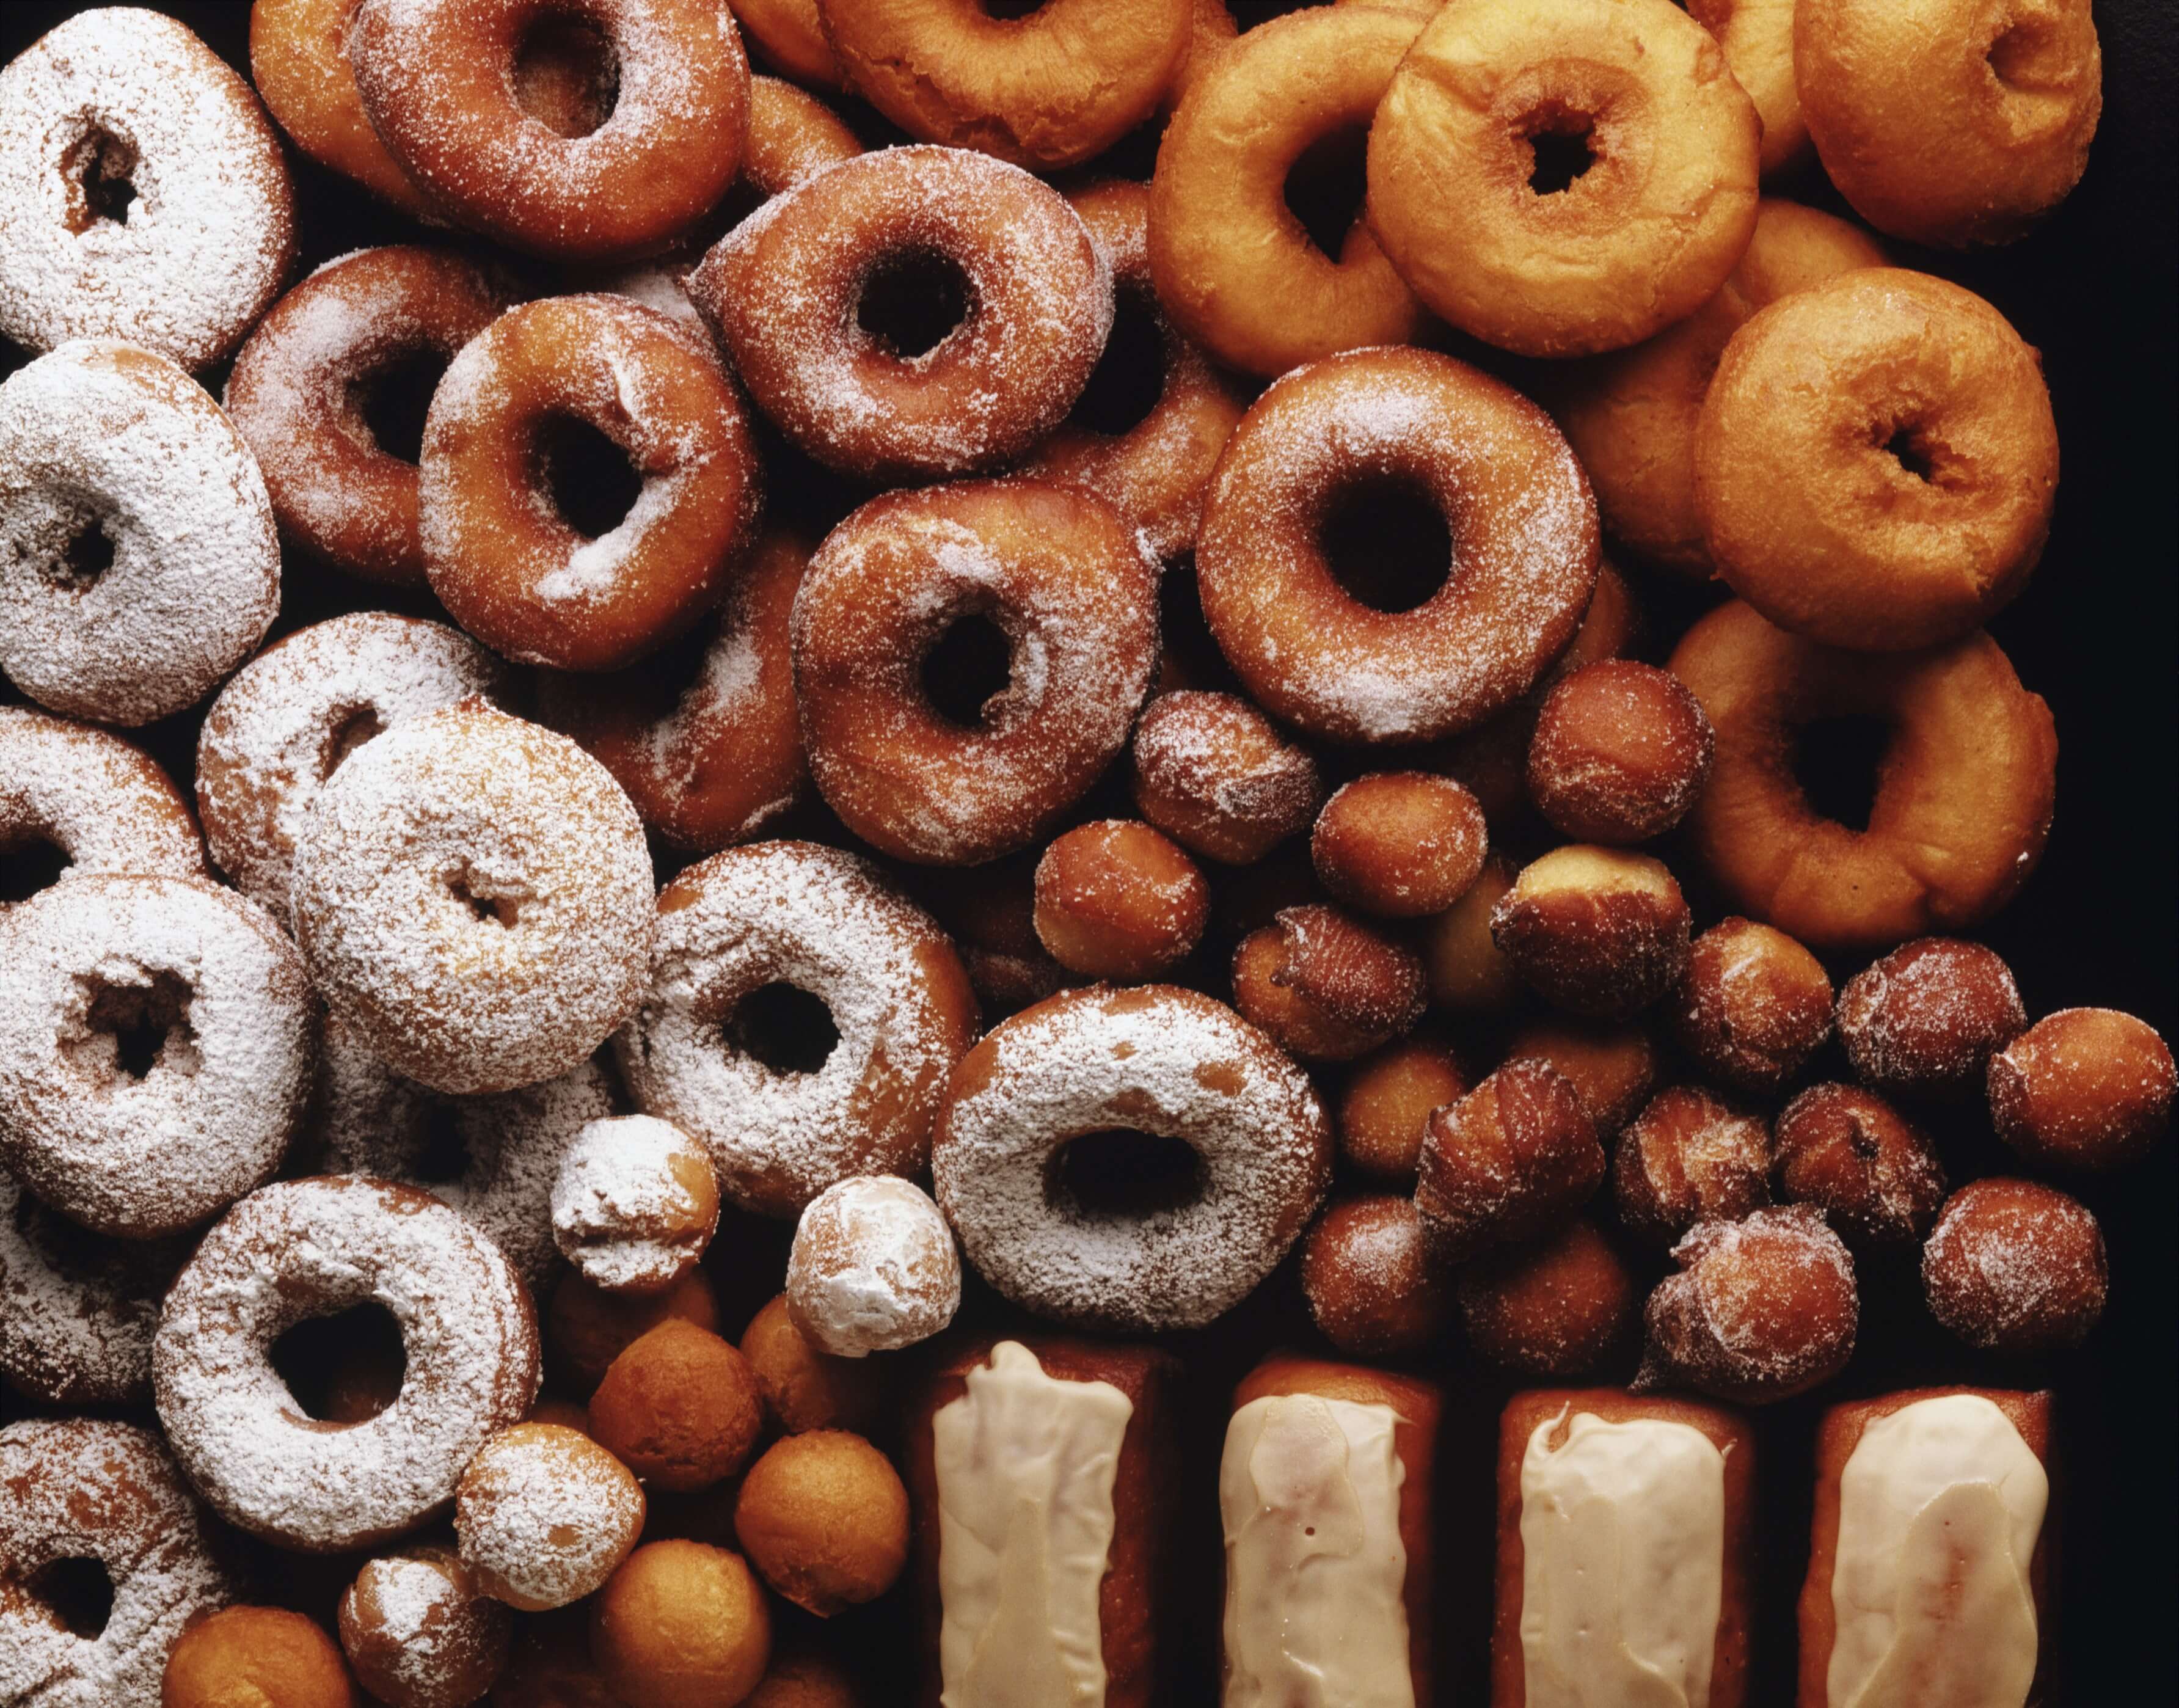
(1326, 184)
(588, 478)
(1121, 1174)
(1915, 449)
(2027, 55)
(486, 900)
(913, 301)
(1838, 761)
(567, 75)
(1129, 377)
(1386, 543)
(99, 169)
(149, 1023)
(353, 728)
(784, 1027)
(967, 667)
(1006, 11)
(345, 1367)
(440, 1155)
(1562, 148)
(393, 401)
(33, 864)
(83, 557)
(78, 1592)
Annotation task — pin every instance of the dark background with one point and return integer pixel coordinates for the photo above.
(2094, 633)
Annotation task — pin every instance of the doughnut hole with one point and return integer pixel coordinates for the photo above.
(788, 1028)
(566, 76)
(1926, 1020)
(545, 1515)
(1387, 1102)
(913, 300)
(1512, 1160)
(806, 1681)
(1752, 1006)
(1368, 1275)
(1121, 1174)
(2015, 1266)
(804, 1388)
(30, 864)
(1467, 972)
(1613, 1069)
(1216, 775)
(1491, 761)
(1555, 1307)
(1620, 753)
(634, 1203)
(344, 1367)
(2087, 1089)
(874, 1267)
(1399, 842)
(1762, 1309)
(132, 1029)
(1327, 987)
(1387, 542)
(1873, 1174)
(97, 174)
(823, 1517)
(679, 1407)
(1688, 1158)
(1601, 932)
(1116, 900)
(255, 1657)
(420, 1633)
(681, 1625)
(586, 1328)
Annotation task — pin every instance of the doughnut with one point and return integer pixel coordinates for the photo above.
(1513, 1159)
(1327, 987)
(1560, 180)
(155, 1049)
(823, 1517)
(1926, 1020)
(704, 739)
(873, 1268)
(438, 86)
(1945, 120)
(1046, 86)
(805, 1681)
(1620, 753)
(303, 385)
(97, 802)
(1123, 1070)
(1116, 900)
(287, 719)
(802, 1387)
(1469, 973)
(634, 1203)
(266, 1655)
(1962, 798)
(75, 1489)
(1601, 932)
(303, 1248)
(1217, 776)
(1752, 1005)
(1874, 1174)
(144, 195)
(512, 566)
(1522, 526)
(1689, 1157)
(678, 1407)
(545, 1516)
(1150, 453)
(1400, 843)
(681, 1625)
(1210, 27)
(299, 61)
(472, 894)
(1387, 1100)
(1074, 599)
(1234, 268)
(139, 561)
(1757, 37)
(1612, 1068)
(1554, 1306)
(588, 1327)
(1369, 1279)
(77, 1312)
(421, 1633)
(791, 34)
(720, 1045)
(2085, 1088)
(2015, 1266)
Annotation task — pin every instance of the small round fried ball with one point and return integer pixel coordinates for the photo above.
(550, 1665)
(2087, 1089)
(1402, 844)
(1753, 1005)
(1512, 1160)
(544, 1515)
(679, 1407)
(1116, 900)
(2016, 1266)
(1387, 1100)
(1871, 1171)
(1762, 1309)
(823, 1517)
(1327, 987)
(1613, 1068)
(1556, 1306)
(1216, 775)
(806, 1681)
(420, 1632)
(1469, 973)
(874, 1267)
(1924, 1021)
(634, 1203)
(255, 1657)
(681, 1625)
(804, 1388)
(1601, 932)
(1688, 1157)
(587, 1328)
(1620, 754)
(1372, 1284)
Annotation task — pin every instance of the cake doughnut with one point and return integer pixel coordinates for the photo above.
(1513, 1159)
(873, 1268)
(144, 195)
(512, 567)
(139, 561)
(1218, 776)
(1948, 121)
(728, 1046)
(545, 1516)
(287, 719)
(1234, 268)
(1327, 987)
(1620, 753)
(1926, 1020)
(98, 803)
(1371, 1282)
(437, 83)
(155, 1049)
(1386, 1103)
(1689, 1157)
(1399, 843)
(1963, 793)
(2086, 1089)
(473, 895)
(85, 1489)
(421, 1633)
(1873, 1173)
(2015, 1266)
(1553, 1306)
(1563, 179)
(1210, 28)
(791, 34)
(310, 1248)
(1116, 900)
(679, 1407)
(1074, 597)
(1516, 506)
(299, 61)
(77, 1312)
(266, 1657)
(634, 1203)
(681, 1625)
(1752, 1006)
(704, 741)
(1757, 36)
(302, 385)
(1612, 1068)
(1126, 1069)
(1601, 932)
(823, 1517)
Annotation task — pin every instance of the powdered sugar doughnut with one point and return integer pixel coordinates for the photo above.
(310, 1248)
(726, 1044)
(143, 193)
(76, 1311)
(139, 562)
(473, 893)
(1085, 1068)
(873, 1268)
(543, 1514)
(95, 798)
(80, 1488)
(634, 1203)
(155, 1049)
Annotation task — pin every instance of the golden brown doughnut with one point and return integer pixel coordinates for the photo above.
(1387, 1100)
(1210, 27)
(823, 1517)
(678, 1407)
(1761, 1309)
(255, 1657)
(1757, 36)
(2016, 1266)
(1924, 1021)
(1752, 1005)
(681, 1625)
(1371, 1281)
(1601, 932)
(1512, 1160)
(1620, 753)
(1399, 843)
(1553, 1306)
(299, 61)
(1689, 1157)
(1613, 1068)
(1873, 1173)
(804, 1388)
(1116, 900)
(1217, 776)
(1327, 987)
(791, 34)
(2084, 1088)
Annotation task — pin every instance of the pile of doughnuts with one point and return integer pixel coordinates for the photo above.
(953, 717)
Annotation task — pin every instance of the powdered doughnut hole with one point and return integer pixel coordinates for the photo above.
(873, 1268)
(1753, 1005)
(1926, 1020)
(2017, 1267)
(1369, 1276)
(1556, 1306)
(1689, 1157)
(1400, 843)
(1116, 900)
(1613, 1069)
(1620, 753)
(1469, 973)
(1874, 1174)
(1513, 1159)
(823, 1517)
(77, 1311)
(421, 1632)
(1601, 932)
(258, 1656)
(804, 1387)
(587, 1328)
(678, 1407)
(298, 62)
(634, 1203)
(545, 1515)
(681, 1625)
(1387, 1100)
(76, 800)
(1327, 987)
(1216, 775)
(1762, 1309)
(2084, 1088)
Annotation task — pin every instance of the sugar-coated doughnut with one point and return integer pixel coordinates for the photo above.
(2016, 1266)
(138, 560)
(1602, 932)
(1386, 1103)
(791, 34)
(1689, 1157)
(802, 1387)
(1371, 1280)
(1469, 973)
(303, 1248)
(261, 1656)
(588, 1328)
(1325, 986)
(2083, 1089)
(1564, 178)
(1620, 753)
(1926, 1020)
(1752, 1005)
(1553, 1306)
(545, 1516)
(1612, 1068)
(1399, 842)
(1760, 1310)
(1116, 900)
(421, 1632)
(1218, 776)
(1874, 1174)
(873, 1268)
(144, 194)
(823, 1517)
(681, 1625)
(1513, 1159)
(299, 61)
(634, 1203)
(1963, 793)
(678, 1407)
(99, 802)
(77, 1311)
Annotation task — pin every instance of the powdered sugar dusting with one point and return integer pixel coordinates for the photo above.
(546, 1514)
(623, 1211)
(104, 804)
(873, 1268)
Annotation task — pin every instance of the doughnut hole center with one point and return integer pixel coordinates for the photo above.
(968, 667)
(588, 478)
(345, 1367)
(355, 727)
(1122, 1174)
(1326, 185)
(148, 1023)
(2028, 56)
(567, 75)
(1561, 145)
(393, 402)
(491, 902)
(1129, 377)
(99, 169)
(1838, 763)
(30, 865)
(788, 1028)
(914, 301)
(1386, 543)
(78, 1591)
(439, 1155)
(1916, 450)
(85, 555)
(1006, 11)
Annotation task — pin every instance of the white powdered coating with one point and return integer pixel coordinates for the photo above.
(621, 1215)
(873, 1268)
(204, 246)
(366, 1119)
(412, 1622)
(474, 894)
(104, 804)
(212, 1115)
(1155, 1059)
(822, 920)
(79, 1488)
(103, 435)
(287, 720)
(545, 1514)
(310, 1248)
